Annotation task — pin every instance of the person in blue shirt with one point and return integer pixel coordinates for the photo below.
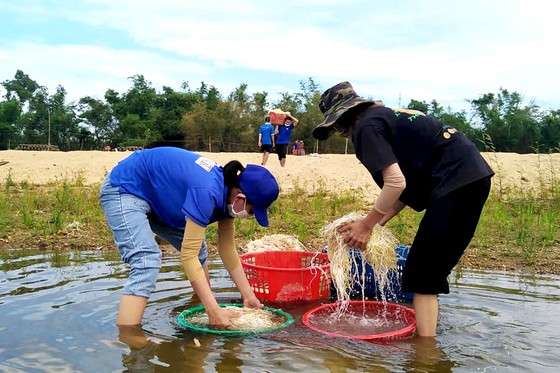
(176, 194)
(417, 161)
(283, 135)
(266, 139)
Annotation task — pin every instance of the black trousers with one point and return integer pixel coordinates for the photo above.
(445, 231)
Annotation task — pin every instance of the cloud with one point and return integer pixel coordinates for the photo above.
(448, 51)
(90, 70)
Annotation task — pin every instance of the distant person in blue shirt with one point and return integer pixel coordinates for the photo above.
(176, 194)
(266, 139)
(283, 136)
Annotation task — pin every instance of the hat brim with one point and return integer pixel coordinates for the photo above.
(325, 129)
(261, 215)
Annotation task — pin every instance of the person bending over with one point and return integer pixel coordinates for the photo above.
(421, 162)
(176, 194)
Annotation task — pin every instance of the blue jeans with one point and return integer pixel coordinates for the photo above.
(133, 224)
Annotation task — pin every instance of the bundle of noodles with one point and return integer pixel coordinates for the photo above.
(281, 242)
(379, 254)
(249, 319)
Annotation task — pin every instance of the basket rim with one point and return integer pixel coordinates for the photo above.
(406, 331)
(262, 253)
(198, 309)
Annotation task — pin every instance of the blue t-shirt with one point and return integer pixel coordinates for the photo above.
(284, 134)
(266, 131)
(176, 183)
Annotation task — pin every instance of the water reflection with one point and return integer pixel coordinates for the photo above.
(58, 314)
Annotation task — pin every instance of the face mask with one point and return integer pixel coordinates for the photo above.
(243, 214)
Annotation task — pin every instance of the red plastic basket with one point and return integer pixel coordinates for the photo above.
(287, 276)
(403, 317)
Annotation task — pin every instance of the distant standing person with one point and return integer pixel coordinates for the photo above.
(283, 135)
(300, 148)
(266, 139)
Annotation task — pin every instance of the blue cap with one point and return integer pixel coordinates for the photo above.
(261, 189)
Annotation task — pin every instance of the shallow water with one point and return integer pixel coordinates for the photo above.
(58, 315)
(360, 324)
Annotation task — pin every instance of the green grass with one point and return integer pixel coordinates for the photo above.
(45, 210)
(514, 222)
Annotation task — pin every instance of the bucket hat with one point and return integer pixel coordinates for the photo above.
(334, 102)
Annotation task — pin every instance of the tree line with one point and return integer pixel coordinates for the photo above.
(202, 119)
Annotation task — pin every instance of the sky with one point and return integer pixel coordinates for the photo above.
(450, 51)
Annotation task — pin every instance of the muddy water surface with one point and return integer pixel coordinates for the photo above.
(58, 315)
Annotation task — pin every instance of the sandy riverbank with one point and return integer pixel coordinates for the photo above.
(337, 171)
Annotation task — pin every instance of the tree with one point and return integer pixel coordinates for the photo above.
(141, 98)
(63, 122)
(97, 116)
(259, 104)
(549, 140)
(289, 102)
(310, 116)
(133, 131)
(511, 126)
(170, 106)
(239, 100)
(10, 112)
(201, 126)
(202, 119)
(418, 105)
(21, 86)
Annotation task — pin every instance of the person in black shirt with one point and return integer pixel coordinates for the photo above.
(421, 162)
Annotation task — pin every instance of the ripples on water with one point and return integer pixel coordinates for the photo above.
(356, 324)
(58, 315)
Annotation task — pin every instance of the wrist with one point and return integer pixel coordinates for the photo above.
(246, 291)
(368, 225)
(371, 219)
(213, 311)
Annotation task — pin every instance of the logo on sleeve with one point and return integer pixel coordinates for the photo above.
(205, 163)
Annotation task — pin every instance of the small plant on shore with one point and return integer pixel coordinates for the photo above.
(246, 229)
(9, 182)
(5, 223)
(47, 209)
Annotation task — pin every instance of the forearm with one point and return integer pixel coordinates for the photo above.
(190, 248)
(226, 245)
(393, 185)
(230, 257)
(240, 280)
(383, 209)
(373, 217)
(294, 119)
(392, 212)
(202, 289)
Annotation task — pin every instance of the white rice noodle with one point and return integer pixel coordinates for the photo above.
(279, 242)
(380, 255)
(249, 319)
